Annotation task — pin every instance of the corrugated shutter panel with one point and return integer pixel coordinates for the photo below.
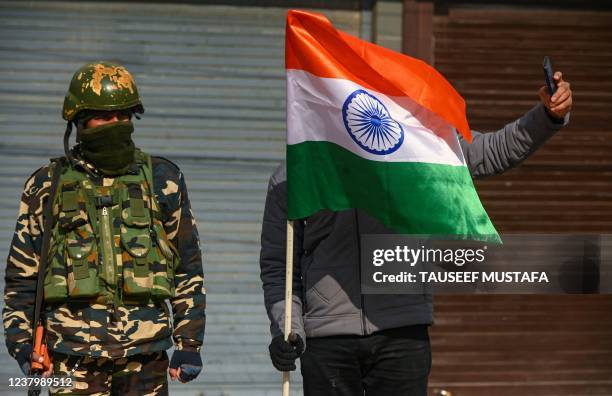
(544, 345)
(212, 81)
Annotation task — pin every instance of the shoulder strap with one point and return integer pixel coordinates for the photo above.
(148, 173)
(56, 170)
(140, 157)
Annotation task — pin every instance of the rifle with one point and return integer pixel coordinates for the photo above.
(38, 330)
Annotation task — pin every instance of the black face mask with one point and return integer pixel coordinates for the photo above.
(108, 147)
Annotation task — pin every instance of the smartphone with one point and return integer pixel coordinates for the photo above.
(548, 76)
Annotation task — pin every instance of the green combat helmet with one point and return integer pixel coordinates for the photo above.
(101, 86)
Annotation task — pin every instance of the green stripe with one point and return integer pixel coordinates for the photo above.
(408, 197)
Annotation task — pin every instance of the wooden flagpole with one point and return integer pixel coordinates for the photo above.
(288, 295)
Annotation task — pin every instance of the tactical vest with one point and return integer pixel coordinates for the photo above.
(108, 243)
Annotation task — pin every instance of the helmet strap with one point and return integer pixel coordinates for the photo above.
(68, 152)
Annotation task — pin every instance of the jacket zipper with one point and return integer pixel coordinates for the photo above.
(109, 266)
(363, 314)
(109, 270)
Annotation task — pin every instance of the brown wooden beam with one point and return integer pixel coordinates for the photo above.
(417, 30)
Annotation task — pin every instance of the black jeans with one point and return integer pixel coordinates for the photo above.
(389, 362)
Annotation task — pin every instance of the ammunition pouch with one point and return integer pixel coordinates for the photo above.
(141, 260)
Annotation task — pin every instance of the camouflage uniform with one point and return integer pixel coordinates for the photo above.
(96, 330)
(111, 340)
(141, 374)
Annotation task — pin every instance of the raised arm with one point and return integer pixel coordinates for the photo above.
(493, 153)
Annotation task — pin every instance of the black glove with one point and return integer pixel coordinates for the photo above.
(24, 358)
(190, 363)
(283, 353)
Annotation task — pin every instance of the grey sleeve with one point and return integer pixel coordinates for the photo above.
(493, 153)
(272, 258)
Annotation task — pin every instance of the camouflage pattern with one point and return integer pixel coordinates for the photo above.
(101, 86)
(98, 328)
(132, 245)
(138, 375)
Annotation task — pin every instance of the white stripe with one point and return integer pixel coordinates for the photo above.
(314, 113)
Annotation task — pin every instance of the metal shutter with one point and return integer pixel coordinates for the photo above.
(212, 82)
(545, 345)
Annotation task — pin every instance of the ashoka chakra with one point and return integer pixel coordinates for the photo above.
(369, 123)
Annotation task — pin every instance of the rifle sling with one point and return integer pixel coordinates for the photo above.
(55, 169)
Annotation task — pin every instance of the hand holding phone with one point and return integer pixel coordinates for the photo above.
(556, 94)
(548, 76)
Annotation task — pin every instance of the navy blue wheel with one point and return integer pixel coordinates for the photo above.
(370, 125)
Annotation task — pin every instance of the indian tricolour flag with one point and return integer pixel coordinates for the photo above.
(374, 129)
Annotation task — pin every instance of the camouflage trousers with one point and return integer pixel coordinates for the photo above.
(138, 375)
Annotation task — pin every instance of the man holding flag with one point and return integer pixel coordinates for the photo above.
(372, 148)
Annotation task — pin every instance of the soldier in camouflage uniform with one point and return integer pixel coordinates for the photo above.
(124, 242)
